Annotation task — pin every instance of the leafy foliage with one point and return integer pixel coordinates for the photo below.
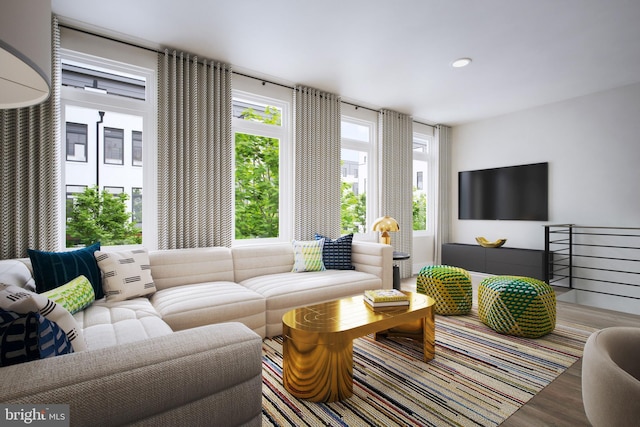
(101, 217)
(257, 180)
(419, 210)
(353, 212)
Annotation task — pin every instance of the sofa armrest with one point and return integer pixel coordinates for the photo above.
(211, 375)
(374, 258)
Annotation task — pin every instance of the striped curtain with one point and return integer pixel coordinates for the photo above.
(195, 152)
(317, 163)
(396, 190)
(443, 186)
(30, 157)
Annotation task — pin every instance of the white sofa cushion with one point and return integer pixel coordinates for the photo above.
(259, 260)
(106, 324)
(286, 291)
(189, 306)
(176, 267)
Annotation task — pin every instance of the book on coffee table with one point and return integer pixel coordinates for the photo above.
(373, 304)
(386, 295)
(385, 298)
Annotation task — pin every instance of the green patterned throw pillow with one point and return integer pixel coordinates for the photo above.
(74, 296)
(307, 255)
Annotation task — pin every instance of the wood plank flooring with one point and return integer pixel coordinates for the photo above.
(560, 403)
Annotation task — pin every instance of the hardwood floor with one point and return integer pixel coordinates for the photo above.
(560, 403)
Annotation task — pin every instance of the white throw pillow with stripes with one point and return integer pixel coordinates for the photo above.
(18, 300)
(125, 274)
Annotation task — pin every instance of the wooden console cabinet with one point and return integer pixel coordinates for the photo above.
(507, 261)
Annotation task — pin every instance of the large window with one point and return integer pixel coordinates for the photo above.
(421, 194)
(260, 134)
(357, 147)
(104, 105)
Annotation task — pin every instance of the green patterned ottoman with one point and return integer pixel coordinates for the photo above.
(519, 306)
(449, 286)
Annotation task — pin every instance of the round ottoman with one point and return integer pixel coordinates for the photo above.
(520, 306)
(449, 286)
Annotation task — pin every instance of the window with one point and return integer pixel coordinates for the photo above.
(261, 136)
(136, 206)
(420, 172)
(76, 142)
(136, 148)
(72, 192)
(106, 126)
(357, 146)
(113, 146)
(114, 190)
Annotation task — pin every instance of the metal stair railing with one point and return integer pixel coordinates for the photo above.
(604, 260)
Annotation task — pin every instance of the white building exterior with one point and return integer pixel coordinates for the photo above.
(120, 137)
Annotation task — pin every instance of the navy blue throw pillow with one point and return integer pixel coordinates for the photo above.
(336, 253)
(18, 338)
(29, 336)
(53, 269)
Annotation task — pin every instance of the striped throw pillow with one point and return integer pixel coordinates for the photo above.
(336, 253)
(125, 274)
(307, 255)
(30, 336)
(76, 295)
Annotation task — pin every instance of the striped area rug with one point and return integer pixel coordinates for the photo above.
(478, 378)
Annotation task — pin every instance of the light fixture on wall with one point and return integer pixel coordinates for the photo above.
(25, 53)
(384, 225)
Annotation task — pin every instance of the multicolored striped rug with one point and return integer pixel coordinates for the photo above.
(478, 378)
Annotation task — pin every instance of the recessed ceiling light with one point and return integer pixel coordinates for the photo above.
(462, 62)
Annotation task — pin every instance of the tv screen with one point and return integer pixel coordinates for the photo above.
(507, 193)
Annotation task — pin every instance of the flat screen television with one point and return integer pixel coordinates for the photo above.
(506, 193)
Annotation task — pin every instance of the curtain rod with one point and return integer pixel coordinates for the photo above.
(150, 49)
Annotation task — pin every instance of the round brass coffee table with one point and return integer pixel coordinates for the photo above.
(318, 341)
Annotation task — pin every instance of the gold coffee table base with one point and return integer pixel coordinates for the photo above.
(318, 342)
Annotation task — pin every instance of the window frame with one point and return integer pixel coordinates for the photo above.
(283, 134)
(135, 148)
(428, 177)
(147, 109)
(112, 160)
(369, 119)
(86, 133)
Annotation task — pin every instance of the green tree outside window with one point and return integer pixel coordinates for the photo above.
(99, 216)
(257, 179)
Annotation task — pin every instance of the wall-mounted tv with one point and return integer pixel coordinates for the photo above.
(507, 193)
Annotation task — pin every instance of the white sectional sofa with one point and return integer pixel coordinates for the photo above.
(189, 354)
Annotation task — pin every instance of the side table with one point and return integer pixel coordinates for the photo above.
(398, 256)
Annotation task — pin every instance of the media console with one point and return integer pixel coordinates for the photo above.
(507, 261)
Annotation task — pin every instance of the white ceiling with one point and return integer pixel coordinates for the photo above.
(397, 54)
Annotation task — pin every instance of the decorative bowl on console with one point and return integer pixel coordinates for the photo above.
(487, 244)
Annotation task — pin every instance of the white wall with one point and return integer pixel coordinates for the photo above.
(592, 144)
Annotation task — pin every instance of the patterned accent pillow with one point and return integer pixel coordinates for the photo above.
(76, 295)
(22, 301)
(29, 336)
(336, 253)
(53, 269)
(125, 274)
(307, 255)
